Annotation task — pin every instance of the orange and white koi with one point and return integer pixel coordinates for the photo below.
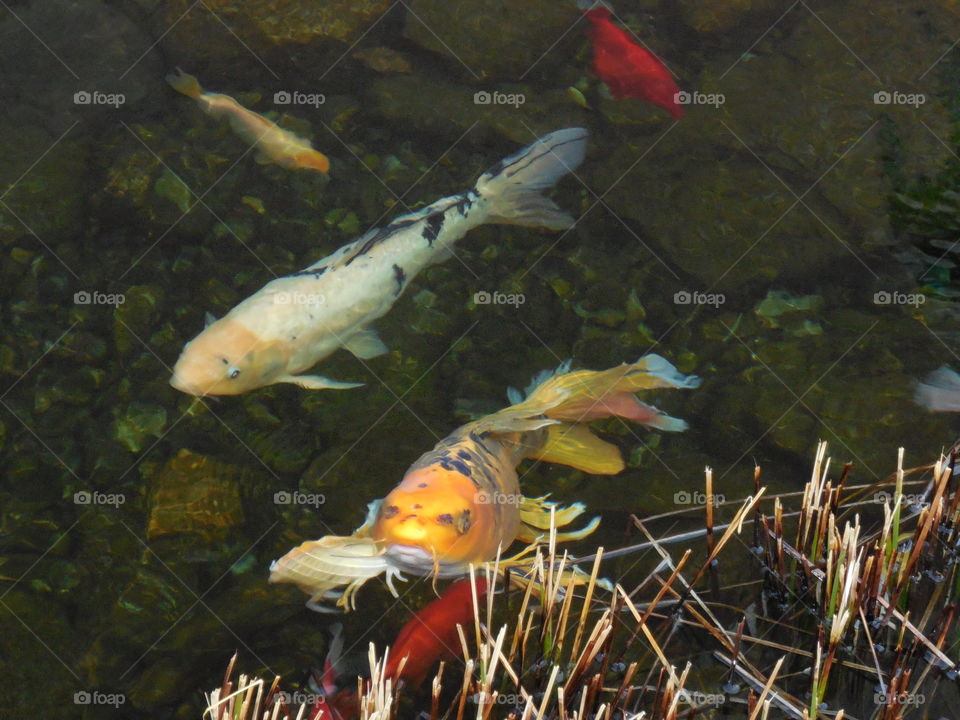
(295, 321)
(460, 503)
(273, 143)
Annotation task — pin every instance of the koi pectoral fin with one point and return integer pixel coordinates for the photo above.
(365, 344)
(318, 382)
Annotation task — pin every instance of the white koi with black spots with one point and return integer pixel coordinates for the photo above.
(295, 321)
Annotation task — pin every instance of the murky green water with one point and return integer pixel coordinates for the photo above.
(751, 243)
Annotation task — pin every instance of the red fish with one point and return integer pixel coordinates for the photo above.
(430, 636)
(627, 68)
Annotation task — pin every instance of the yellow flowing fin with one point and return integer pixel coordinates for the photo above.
(577, 447)
(586, 395)
(536, 512)
(531, 534)
(319, 567)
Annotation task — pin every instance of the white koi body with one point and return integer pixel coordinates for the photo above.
(295, 321)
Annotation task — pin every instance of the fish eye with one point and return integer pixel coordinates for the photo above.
(390, 511)
(233, 373)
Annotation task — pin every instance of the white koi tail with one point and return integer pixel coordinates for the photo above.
(512, 187)
(184, 83)
(566, 401)
(940, 391)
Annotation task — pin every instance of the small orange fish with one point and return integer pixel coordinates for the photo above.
(460, 503)
(273, 143)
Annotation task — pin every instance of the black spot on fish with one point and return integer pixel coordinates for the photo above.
(400, 276)
(422, 485)
(445, 519)
(433, 227)
(465, 202)
(464, 455)
(418, 507)
(461, 467)
(390, 511)
(316, 272)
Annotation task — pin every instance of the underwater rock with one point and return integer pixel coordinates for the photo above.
(197, 495)
(46, 192)
(137, 316)
(413, 101)
(92, 61)
(708, 16)
(140, 422)
(495, 38)
(254, 33)
(384, 60)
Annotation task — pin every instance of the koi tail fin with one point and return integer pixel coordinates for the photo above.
(512, 187)
(565, 401)
(940, 391)
(184, 83)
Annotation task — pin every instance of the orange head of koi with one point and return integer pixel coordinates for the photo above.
(225, 359)
(310, 160)
(436, 510)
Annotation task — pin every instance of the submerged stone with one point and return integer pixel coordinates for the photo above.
(195, 494)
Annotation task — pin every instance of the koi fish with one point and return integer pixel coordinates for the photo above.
(940, 391)
(295, 321)
(431, 635)
(428, 637)
(628, 69)
(273, 143)
(460, 503)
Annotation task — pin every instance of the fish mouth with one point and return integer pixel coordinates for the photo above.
(416, 560)
(178, 383)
